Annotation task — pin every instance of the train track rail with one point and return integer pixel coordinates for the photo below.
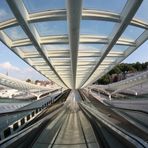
(80, 126)
(29, 134)
(30, 117)
(110, 135)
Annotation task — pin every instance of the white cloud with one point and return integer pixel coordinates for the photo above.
(8, 66)
(28, 73)
(29, 69)
(23, 73)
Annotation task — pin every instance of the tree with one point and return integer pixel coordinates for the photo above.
(28, 80)
(115, 70)
(37, 81)
(138, 66)
(104, 80)
(121, 70)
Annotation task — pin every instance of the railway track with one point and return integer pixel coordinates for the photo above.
(75, 125)
(138, 117)
(110, 135)
(75, 132)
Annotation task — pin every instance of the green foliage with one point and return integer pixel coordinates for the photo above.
(104, 80)
(123, 68)
(138, 66)
(116, 70)
(28, 80)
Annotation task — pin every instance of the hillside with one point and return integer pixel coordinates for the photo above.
(122, 71)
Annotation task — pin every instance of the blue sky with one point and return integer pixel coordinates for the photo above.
(16, 67)
(10, 63)
(140, 55)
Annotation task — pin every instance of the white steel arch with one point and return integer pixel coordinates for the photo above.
(70, 59)
(19, 85)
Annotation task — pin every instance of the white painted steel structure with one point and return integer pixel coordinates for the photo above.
(128, 83)
(20, 85)
(123, 84)
(69, 59)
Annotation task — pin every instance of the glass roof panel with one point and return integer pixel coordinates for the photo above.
(5, 12)
(86, 59)
(56, 47)
(34, 6)
(37, 59)
(28, 49)
(109, 59)
(119, 48)
(51, 28)
(142, 12)
(132, 32)
(107, 5)
(43, 67)
(90, 47)
(15, 33)
(92, 32)
(93, 27)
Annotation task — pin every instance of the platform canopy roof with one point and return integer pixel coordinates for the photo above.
(20, 85)
(73, 42)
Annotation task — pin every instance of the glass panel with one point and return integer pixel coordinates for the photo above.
(60, 59)
(51, 28)
(59, 67)
(86, 59)
(15, 33)
(109, 59)
(5, 12)
(37, 60)
(57, 54)
(48, 72)
(101, 28)
(119, 48)
(44, 67)
(89, 54)
(108, 5)
(132, 32)
(103, 66)
(90, 47)
(56, 47)
(142, 13)
(43, 5)
(28, 49)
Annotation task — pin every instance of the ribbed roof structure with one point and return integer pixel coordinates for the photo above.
(73, 42)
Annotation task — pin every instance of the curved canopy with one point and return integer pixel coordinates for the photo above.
(73, 42)
(19, 85)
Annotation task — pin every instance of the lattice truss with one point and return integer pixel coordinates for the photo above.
(73, 42)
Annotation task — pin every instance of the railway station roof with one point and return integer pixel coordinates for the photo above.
(73, 42)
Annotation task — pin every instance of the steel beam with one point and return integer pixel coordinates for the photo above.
(126, 16)
(143, 37)
(63, 39)
(21, 15)
(87, 14)
(74, 11)
(18, 84)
